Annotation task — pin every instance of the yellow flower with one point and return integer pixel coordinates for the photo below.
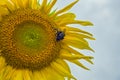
(35, 40)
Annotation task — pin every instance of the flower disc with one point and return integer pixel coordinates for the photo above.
(28, 39)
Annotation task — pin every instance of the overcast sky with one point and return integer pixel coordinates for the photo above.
(105, 14)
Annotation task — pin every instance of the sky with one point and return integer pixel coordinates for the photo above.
(105, 14)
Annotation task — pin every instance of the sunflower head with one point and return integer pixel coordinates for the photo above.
(35, 40)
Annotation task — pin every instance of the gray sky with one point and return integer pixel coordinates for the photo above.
(105, 14)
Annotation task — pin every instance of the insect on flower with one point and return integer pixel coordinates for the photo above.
(60, 35)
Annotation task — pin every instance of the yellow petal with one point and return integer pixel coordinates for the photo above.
(35, 4)
(6, 71)
(2, 71)
(32, 4)
(20, 3)
(75, 52)
(78, 35)
(17, 75)
(15, 3)
(37, 76)
(50, 72)
(67, 55)
(60, 69)
(43, 75)
(78, 44)
(52, 12)
(50, 6)
(2, 2)
(29, 3)
(27, 75)
(7, 4)
(66, 8)
(2, 63)
(65, 65)
(44, 4)
(78, 63)
(81, 40)
(72, 29)
(73, 57)
(25, 3)
(65, 17)
(83, 23)
(10, 74)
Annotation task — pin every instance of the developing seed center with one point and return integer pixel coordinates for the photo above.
(31, 35)
(28, 40)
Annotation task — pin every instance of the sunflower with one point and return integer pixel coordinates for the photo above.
(36, 41)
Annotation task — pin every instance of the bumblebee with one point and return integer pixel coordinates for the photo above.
(60, 35)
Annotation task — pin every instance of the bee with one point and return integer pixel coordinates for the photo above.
(60, 35)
